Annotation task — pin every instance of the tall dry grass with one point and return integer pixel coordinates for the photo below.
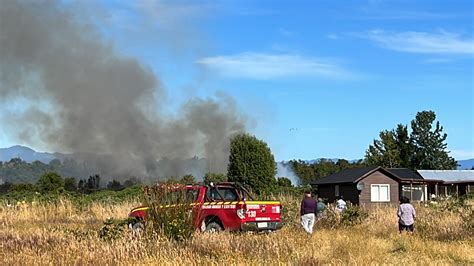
(62, 233)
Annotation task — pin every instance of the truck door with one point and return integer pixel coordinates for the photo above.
(222, 202)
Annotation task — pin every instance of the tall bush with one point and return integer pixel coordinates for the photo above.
(171, 211)
(50, 182)
(251, 163)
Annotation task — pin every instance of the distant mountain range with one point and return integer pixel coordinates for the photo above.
(30, 155)
(26, 154)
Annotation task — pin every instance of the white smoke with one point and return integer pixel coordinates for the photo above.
(285, 170)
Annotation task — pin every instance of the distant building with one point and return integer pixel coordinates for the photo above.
(450, 182)
(377, 185)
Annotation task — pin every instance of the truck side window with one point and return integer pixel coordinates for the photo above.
(228, 193)
(213, 195)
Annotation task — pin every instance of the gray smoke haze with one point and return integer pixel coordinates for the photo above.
(84, 97)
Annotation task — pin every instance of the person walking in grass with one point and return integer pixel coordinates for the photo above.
(406, 215)
(308, 212)
(320, 208)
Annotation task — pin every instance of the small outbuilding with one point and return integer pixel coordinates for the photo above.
(373, 185)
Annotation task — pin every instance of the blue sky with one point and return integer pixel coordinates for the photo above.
(315, 78)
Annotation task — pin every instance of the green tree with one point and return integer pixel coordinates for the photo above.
(424, 148)
(284, 182)
(430, 148)
(304, 170)
(404, 144)
(251, 163)
(172, 180)
(22, 188)
(214, 177)
(131, 182)
(343, 164)
(5, 187)
(384, 151)
(50, 182)
(90, 185)
(70, 184)
(187, 179)
(114, 185)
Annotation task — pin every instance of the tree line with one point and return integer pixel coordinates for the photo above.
(18, 171)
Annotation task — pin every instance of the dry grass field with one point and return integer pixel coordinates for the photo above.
(62, 233)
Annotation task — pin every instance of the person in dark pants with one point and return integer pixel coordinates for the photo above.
(406, 215)
(308, 212)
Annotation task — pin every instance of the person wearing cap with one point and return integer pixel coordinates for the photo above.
(308, 212)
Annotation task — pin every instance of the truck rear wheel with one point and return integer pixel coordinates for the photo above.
(213, 227)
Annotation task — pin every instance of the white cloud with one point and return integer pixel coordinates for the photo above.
(273, 66)
(423, 42)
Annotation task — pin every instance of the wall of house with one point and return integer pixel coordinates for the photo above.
(326, 192)
(348, 191)
(378, 178)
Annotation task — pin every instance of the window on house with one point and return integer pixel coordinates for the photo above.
(380, 192)
(336, 190)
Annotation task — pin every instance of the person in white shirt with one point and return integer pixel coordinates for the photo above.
(341, 205)
(406, 215)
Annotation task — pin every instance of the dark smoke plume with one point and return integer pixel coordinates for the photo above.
(85, 98)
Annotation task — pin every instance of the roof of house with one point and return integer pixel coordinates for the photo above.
(345, 176)
(448, 176)
(354, 174)
(405, 173)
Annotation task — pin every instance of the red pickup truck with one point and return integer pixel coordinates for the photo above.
(224, 206)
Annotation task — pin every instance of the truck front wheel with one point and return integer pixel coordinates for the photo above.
(213, 227)
(137, 226)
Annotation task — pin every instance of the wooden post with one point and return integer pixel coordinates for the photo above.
(425, 192)
(411, 190)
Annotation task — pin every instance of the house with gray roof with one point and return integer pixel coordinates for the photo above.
(450, 182)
